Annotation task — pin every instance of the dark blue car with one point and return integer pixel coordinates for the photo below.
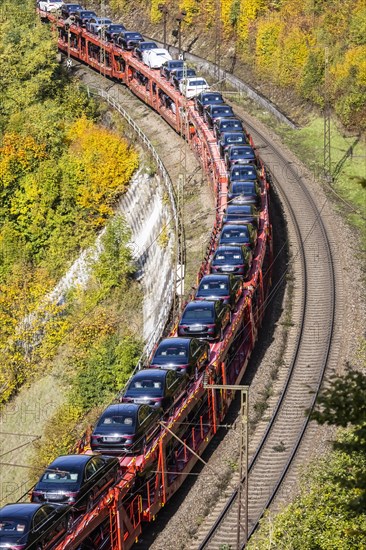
(26, 525)
(77, 480)
(186, 355)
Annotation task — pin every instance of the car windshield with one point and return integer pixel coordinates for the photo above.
(175, 63)
(212, 99)
(116, 28)
(197, 83)
(62, 476)
(243, 188)
(118, 422)
(133, 36)
(227, 124)
(145, 386)
(198, 314)
(213, 288)
(221, 110)
(180, 73)
(231, 257)
(87, 14)
(245, 210)
(234, 138)
(148, 46)
(171, 354)
(243, 173)
(242, 152)
(13, 527)
(238, 235)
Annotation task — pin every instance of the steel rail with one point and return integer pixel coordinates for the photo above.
(327, 347)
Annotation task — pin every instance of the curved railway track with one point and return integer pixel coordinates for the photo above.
(314, 309)
(313, 317)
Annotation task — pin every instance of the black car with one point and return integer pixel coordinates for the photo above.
(232, 259)
(240, 154)
(142, 47)
(241, 213)
(178, 74)
(70, 9)
(205, 319)
(76, 480)
(113, 31)
(186, 355)
(231, 138)
(34, 526)
(222, 125)
(215, 112)
(245, 234)
(169, 66)
(207, 98)
(82, 17)
(227, 288)
(159, 388)
(125, 428)
(128, 40)
(244, 192)
(246, 172)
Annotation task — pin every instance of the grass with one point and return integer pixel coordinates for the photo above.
(25, 417)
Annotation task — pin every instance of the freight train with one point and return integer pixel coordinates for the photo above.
(146, 443)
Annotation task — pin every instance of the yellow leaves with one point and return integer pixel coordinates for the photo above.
(18, 155)
(104, 164)
(353, 65)
(267, 44)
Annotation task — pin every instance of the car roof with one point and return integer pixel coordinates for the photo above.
(226, 120)
(240, 208)
(147, 42)
(241, 182)
(159, 50)
(150, 373)
(195, 78)
(224, 135)
(198, 304)
(174, 342)
(229, 247)
(125, 33)
(236, 226)
(215, 277)
(24, 510)
(69, 461)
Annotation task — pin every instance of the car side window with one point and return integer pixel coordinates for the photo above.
(98, 463)
(39, 518)
(89, 469)
(195, 348)
(171, 379)
(143, 414)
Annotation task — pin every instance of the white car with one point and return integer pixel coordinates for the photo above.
(156, 57)
(50, 5)
(190, 87)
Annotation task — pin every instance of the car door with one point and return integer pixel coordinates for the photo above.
(87, 486)
(55, 523)
(147, 418)
(103, 476)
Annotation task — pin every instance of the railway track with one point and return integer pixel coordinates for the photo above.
(314, 315)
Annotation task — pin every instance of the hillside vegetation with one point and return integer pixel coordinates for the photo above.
(61, 173)
(286, 42)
